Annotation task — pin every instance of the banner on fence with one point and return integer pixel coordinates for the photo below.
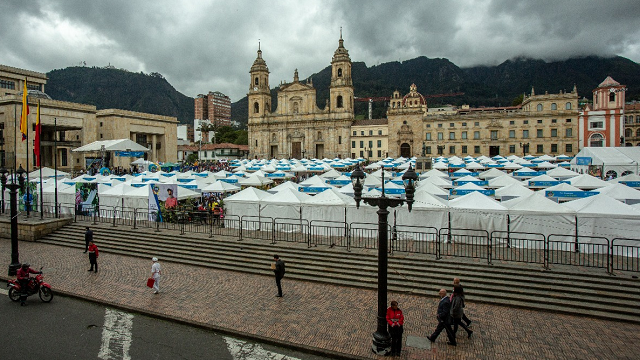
(86, 198)
(162, 200)
(33, 199)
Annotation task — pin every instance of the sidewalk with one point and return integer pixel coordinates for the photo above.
(328, 319)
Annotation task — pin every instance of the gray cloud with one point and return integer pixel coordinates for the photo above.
(210, 45)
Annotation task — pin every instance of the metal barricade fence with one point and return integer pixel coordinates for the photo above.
(625, 254)
(414, 239)
(230, 225)
(519, 247)
(592, 251)
(256, 227)
(330, 233)
(291, 230)
(472, 243)
(365, 235)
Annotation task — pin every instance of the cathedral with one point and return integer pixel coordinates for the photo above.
(298, 128)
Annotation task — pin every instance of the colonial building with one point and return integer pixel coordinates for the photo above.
(602, 123)
(211, 152)
(632, 124)
(369, 139)
(298, 127)
(66, 126)
(542, 124)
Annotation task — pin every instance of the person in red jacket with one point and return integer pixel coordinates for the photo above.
(93, 256)
(23, 278)
(395, 319)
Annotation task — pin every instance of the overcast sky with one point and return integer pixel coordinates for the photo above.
(208, 45)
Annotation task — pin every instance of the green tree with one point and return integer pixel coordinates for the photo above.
(192, 158)
(242, 137)
(518, 100)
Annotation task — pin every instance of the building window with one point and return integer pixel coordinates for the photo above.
(539, 133)
(512, 149)
(428, 137)
(554, 121)
(476, 135)
(354, 133)
(477, 123)
(464, 124)
(370, 132)
(512, 122)
(440, 136)
(100, 123)
(428, 126)
(525, 134)
(568, 133)
(428, 150)
(526, 122)
(596, 125)
(452, 136)
(464, 135)
(339, 139)
(539, 121)
(568, 121)
(452, 149)
(100, 137)
(612, 97)
(339, 101)
(439, 125)
(6, 84)
(567, 106)
(512, 134)
(353, 144)
(379, 153)
(339, 72)
(63, 156)
(370, 144)
(540, 149)
(554, 106)
(638, 133)
(539, 107)
(476, 149)
(554, 148)
(464, 149)
(569, 148)
(452, 124)
(596, 140)
(379, 132)
(554, 132)
(494, 134)
(362, 133)
(361, 144)
(256, 107)
(379, 143)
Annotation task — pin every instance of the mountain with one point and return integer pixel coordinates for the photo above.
(481, 85)
(108, 88)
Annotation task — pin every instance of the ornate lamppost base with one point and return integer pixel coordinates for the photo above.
(13, 269)
(381, 344)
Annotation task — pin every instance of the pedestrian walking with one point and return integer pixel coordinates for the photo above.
(155, 274)
(278, 270)
(93, 256)
(443, 316)
(395, 320)
(456, 282)
(88, 237)
(457, 310)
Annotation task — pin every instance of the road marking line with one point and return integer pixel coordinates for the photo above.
(4, 292)
(241, 350)
(116, 335)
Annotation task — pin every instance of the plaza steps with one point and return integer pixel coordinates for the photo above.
(571, 290)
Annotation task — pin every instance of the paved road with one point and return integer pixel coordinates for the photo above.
(68, 328)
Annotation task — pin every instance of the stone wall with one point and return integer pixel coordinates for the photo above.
(33, 230)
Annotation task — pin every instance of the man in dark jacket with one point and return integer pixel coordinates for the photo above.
(278, 269)
(88, 237)
(444, 322)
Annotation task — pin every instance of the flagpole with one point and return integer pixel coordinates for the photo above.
(15, 138)
(27, 203)
(55, 160)
(39, 130)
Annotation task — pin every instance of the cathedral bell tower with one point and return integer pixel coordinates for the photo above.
(341, 88)
(259, 96)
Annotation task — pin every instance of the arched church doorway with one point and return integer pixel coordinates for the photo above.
(405, 150)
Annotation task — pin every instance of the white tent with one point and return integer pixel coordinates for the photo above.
(621, 192)
(491, 174)
(601, 215)
(587, 182)
(47, 173)
(286, 204)
(220, 187)
(433, 190)
(66, 197)
(615, 159)
(112, 145)
(536, 214)
(502, 181)
(434, 172)
(285, 185)
(560, 173)
(477, 211)
(246, 203)
(436, 180)
(512, 191)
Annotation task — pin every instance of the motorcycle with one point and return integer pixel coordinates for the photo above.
(36, 285)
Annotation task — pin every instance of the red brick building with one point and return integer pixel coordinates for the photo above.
(601, 124)
(215, 107)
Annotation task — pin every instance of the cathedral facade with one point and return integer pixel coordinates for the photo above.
(298, 128)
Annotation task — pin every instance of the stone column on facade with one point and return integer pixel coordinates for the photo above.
(154, 155)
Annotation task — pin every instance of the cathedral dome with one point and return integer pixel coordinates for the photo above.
(259, 64)
(413, 98)
(36, 94)
(341, 53)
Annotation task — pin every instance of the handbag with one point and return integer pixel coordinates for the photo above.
(150, 282)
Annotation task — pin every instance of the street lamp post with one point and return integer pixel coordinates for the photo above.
(13, 188)
(525, 148)
(381, 343)
(3, 178)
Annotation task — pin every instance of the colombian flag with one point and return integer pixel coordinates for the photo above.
(36, 145)
(25, 112)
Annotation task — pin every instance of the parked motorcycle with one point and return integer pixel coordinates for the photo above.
(35, 285)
